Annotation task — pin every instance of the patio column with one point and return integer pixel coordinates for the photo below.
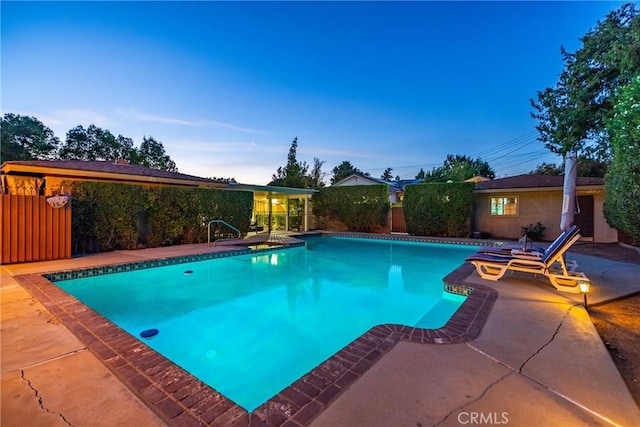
(306, 212)
(270, 203)
(286, 218)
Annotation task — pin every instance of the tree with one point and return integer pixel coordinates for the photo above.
(152, 155)
(387, 175)
(26, 138)
(547, 169)
(294, 174)
(592, 167)
(586, 167)
(622, 182)
(458, 168)
(420, 174)
(95, 143)
(343, 170)
(316, 177)
(572, 115)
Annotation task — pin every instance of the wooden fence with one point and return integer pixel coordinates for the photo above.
(31, 230)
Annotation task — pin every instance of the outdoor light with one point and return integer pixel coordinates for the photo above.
(585, 287)
(57, 201)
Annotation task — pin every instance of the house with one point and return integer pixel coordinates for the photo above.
(45, 233)
(396, 188)
(503, 206)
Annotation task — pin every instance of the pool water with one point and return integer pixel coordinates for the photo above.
(250, 325)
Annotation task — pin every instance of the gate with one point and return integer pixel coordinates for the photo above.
(584, 219)
(398, 224)
(32, 230)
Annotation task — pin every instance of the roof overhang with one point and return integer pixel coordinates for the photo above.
(537, 189)
(80, 174)
(271, 189)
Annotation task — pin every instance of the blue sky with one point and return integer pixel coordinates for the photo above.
(226, 86)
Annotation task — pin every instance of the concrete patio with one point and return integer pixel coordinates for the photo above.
(538, 361)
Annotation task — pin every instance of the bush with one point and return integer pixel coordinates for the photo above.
(105, 216)
(109, 216)
(534, 232)
(439, 209)
(358, 207)
(622, 181)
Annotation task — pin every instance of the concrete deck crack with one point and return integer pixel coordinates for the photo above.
(557, 393)
(555, 333)
(60, 356)
(519, 372)
(604, 273)
(40, 401)
(484, 392)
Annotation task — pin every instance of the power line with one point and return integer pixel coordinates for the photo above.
(503, 156)
(504, 151)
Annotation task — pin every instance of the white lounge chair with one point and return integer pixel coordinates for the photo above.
(552, 264)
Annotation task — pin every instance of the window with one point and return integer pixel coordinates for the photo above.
(504, 206)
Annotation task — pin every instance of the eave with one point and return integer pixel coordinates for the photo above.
(89, 175)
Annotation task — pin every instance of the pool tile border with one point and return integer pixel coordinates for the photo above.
(181, 399)
(421, 239)
(162, 262)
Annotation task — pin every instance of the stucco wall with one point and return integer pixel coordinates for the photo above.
(536, 206)
(603, 233)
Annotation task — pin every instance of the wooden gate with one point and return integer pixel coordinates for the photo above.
(398, 225)
(32, 230)
(584, 219)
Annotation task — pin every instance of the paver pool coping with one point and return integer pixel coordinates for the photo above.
(181, 399)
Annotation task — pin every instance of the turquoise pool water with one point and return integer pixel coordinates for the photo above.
(250, 325)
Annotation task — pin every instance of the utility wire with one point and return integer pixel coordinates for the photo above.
(504, 156)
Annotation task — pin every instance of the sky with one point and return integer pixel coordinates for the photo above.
(227, 86)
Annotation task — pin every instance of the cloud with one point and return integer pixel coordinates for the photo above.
(228, 147)
(327, 151)
(69, 118)
(139, 116)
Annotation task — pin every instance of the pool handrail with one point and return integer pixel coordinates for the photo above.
(219, 221)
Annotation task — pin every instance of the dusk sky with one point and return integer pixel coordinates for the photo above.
(226, 86)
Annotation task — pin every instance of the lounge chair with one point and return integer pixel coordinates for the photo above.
(520, 250)
(551, 264)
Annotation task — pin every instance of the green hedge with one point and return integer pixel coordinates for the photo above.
(105, 216)
(109, 216)
(181, 215)
(622, 181)
(358, 207)
(439, 209)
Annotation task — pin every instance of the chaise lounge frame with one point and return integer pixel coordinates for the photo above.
(552, 264)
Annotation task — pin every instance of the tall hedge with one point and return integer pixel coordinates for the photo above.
(105, 216)
(109, 216)
(181, 215)
(622, 181)
(439, 209)
(359, 207)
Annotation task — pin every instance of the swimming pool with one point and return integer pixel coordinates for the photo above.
(275, 315)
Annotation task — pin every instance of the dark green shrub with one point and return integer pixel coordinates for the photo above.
(181, 215)
(439, 209)
(105, 216)
(119, 216)
(358, 207)
(622, 181)
(534, 232)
